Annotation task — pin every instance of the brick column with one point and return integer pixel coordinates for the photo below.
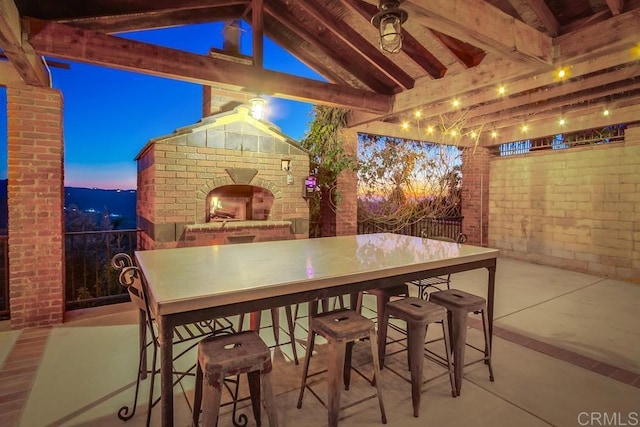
(347, 185)
(35, 197)
(475, 195)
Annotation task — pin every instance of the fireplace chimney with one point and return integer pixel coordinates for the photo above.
(218, 99)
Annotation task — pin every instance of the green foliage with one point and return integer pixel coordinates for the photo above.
(328, 157)
(324, 142)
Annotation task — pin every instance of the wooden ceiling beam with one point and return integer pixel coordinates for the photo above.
(535, 12)
(483, 25)
(486, 75)
(587, 117)
(615, 6)
(619, 32)
(352, 38)
(467, 55)
(21, 56)
(75, 13)
(617, 36)
(125, 22)
(8, 74)
(257, 24)
(528, 105)
(354, 64)
(76, 44)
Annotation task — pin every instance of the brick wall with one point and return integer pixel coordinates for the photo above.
(35, 197)
(347, 186)
(577, 209)
(475, 195)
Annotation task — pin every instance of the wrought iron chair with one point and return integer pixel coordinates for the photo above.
(189, 335)
(436, 283)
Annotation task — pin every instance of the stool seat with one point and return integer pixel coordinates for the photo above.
(231, 355)
(418, 314)
(416, 309)
(459, 304)
(458, 299)
(341, 328)
(342, 324)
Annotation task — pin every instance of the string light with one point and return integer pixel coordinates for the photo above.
(405, 125)
(562, 121)
(494, 134)
(525, 128)
(562, 73)
(501, 90)
(418, 114)
(429, 129)
(606, 112)
(455, 103)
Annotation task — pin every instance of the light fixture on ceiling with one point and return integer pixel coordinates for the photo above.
(258, 107)
(389, 22)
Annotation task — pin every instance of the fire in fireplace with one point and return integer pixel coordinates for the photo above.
(239, 202)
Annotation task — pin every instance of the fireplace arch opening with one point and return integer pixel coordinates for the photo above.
(239, 202)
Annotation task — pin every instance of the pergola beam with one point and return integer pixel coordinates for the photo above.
(22, 57)
(481, 24)
(62, 41)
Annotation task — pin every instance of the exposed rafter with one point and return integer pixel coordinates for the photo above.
(479, 23)
(81, 45)
(616, 6)
(350, 37)
(24, 60)
(374, 79)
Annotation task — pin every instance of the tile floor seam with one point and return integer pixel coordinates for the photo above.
(576, 359)
(16, 352)
(551, 299)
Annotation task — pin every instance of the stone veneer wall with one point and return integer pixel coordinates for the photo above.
(577, 209)
(35, 194)
(175, 175)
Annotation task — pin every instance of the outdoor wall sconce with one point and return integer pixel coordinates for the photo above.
(389, 24)
(258, 107)
(310, 187)
(286, 166)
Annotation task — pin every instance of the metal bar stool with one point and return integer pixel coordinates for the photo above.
(418, 314)
(341, 328)
(459, 304)
(231, 355)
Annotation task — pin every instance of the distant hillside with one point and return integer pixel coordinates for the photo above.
(115, 202)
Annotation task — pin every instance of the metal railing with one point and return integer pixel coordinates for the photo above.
(90, 279)
(4, 277)
(447, 226)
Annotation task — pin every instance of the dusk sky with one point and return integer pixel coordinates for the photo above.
(109, 115)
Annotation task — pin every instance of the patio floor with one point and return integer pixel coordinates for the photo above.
(566, 352)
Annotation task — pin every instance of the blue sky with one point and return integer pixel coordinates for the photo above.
(109, 114)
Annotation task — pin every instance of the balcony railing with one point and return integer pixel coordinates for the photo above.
(90, 279)
(447, 226)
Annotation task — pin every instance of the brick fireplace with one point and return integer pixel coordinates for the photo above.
(228, 178)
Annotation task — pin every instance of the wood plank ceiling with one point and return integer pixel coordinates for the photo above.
(453, 49)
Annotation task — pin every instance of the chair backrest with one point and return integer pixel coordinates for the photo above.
(130, 278)
(121, 260)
